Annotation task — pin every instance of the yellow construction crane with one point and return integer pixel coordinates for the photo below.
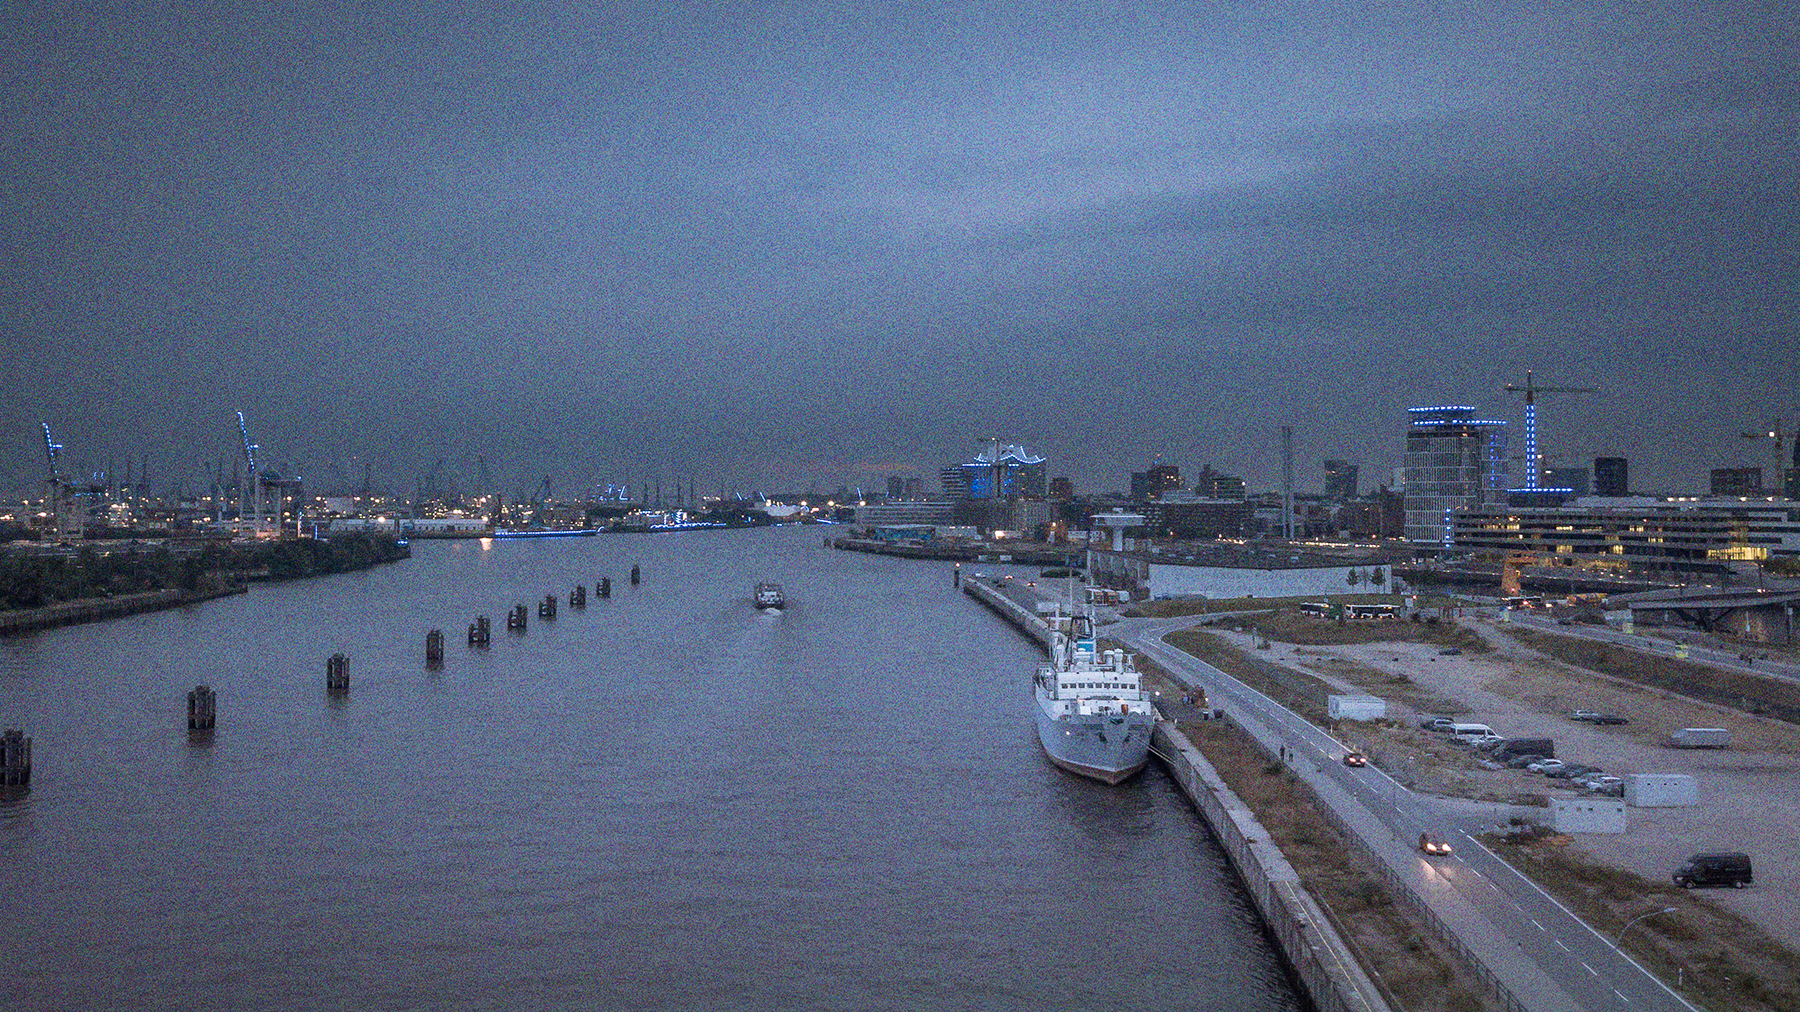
(1534, 462)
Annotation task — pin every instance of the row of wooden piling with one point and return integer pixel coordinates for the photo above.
(202, 701)
(519, 618)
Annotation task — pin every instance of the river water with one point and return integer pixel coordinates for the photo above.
(667, 801)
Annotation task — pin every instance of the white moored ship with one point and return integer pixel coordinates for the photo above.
(1093, 716)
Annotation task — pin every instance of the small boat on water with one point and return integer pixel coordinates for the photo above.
(768, 597)
(1093, 716)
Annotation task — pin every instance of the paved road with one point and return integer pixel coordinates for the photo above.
(1548, 958)
(1777, 666)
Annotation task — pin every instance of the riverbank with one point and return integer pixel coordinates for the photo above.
(43, 591)
(26, 620)
(1310, 938)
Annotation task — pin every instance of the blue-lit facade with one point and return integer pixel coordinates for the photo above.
(1454, 460)
(1019, 474)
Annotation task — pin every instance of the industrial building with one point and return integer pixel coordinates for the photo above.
(1221, 571)
(905, 512)
(1642, 535)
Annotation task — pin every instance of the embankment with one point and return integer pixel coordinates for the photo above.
(99, 609)
(1318, 955)
(1312, 946)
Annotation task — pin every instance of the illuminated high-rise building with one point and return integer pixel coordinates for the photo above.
(1454, 460)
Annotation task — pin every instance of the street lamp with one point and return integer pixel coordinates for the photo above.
(1634, 920)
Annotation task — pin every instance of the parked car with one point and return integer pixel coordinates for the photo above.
(1583, 715)
(1519, 762)
(1546, 766)
(1609, 718)
(1714, 869)
(1450, 652)
(1571, 770)
(1440, 724)
(1604, 783)
(1484, 742)
(1355, 759)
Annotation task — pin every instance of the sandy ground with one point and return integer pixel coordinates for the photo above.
(1749, 794)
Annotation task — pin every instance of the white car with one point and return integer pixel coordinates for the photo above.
(1545, 765)
(1602, 783)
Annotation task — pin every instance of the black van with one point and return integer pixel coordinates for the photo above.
(1714, 869)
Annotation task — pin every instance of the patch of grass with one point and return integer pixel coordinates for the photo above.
(1179, 607)
(1290, 625)
(1722, 686)
(1720, 957)
(1299, 692)
(1417, 971)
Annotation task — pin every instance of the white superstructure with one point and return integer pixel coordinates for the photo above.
(1093, 715)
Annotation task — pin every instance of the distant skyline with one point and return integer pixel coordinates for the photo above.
(771, 246)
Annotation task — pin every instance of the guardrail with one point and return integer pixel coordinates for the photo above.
(1500, 992)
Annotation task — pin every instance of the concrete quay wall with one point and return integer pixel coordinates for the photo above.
(1317, 953)
(1025, 619)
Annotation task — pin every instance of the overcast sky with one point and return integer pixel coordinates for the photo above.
(766, 245)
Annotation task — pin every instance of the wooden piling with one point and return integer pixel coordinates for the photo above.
(15, 759)
(434, 649)
(202, 708)
(516, 619)
(605, 589)
(634, 574)
(480, 631)
(547, 607)
(337, 675)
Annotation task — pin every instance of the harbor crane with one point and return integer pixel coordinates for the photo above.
(265, 491)
(68, 521)
(253, 498)
(1534, 462)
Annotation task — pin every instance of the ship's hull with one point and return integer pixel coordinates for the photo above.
(1108, 747)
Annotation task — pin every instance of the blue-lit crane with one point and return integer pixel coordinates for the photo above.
(1534, 462)
(68, 518)
(253, 497)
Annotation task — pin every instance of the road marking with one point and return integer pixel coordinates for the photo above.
(1621, 995)
(1560, 945)
(1534, 923)
(1589, 968)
